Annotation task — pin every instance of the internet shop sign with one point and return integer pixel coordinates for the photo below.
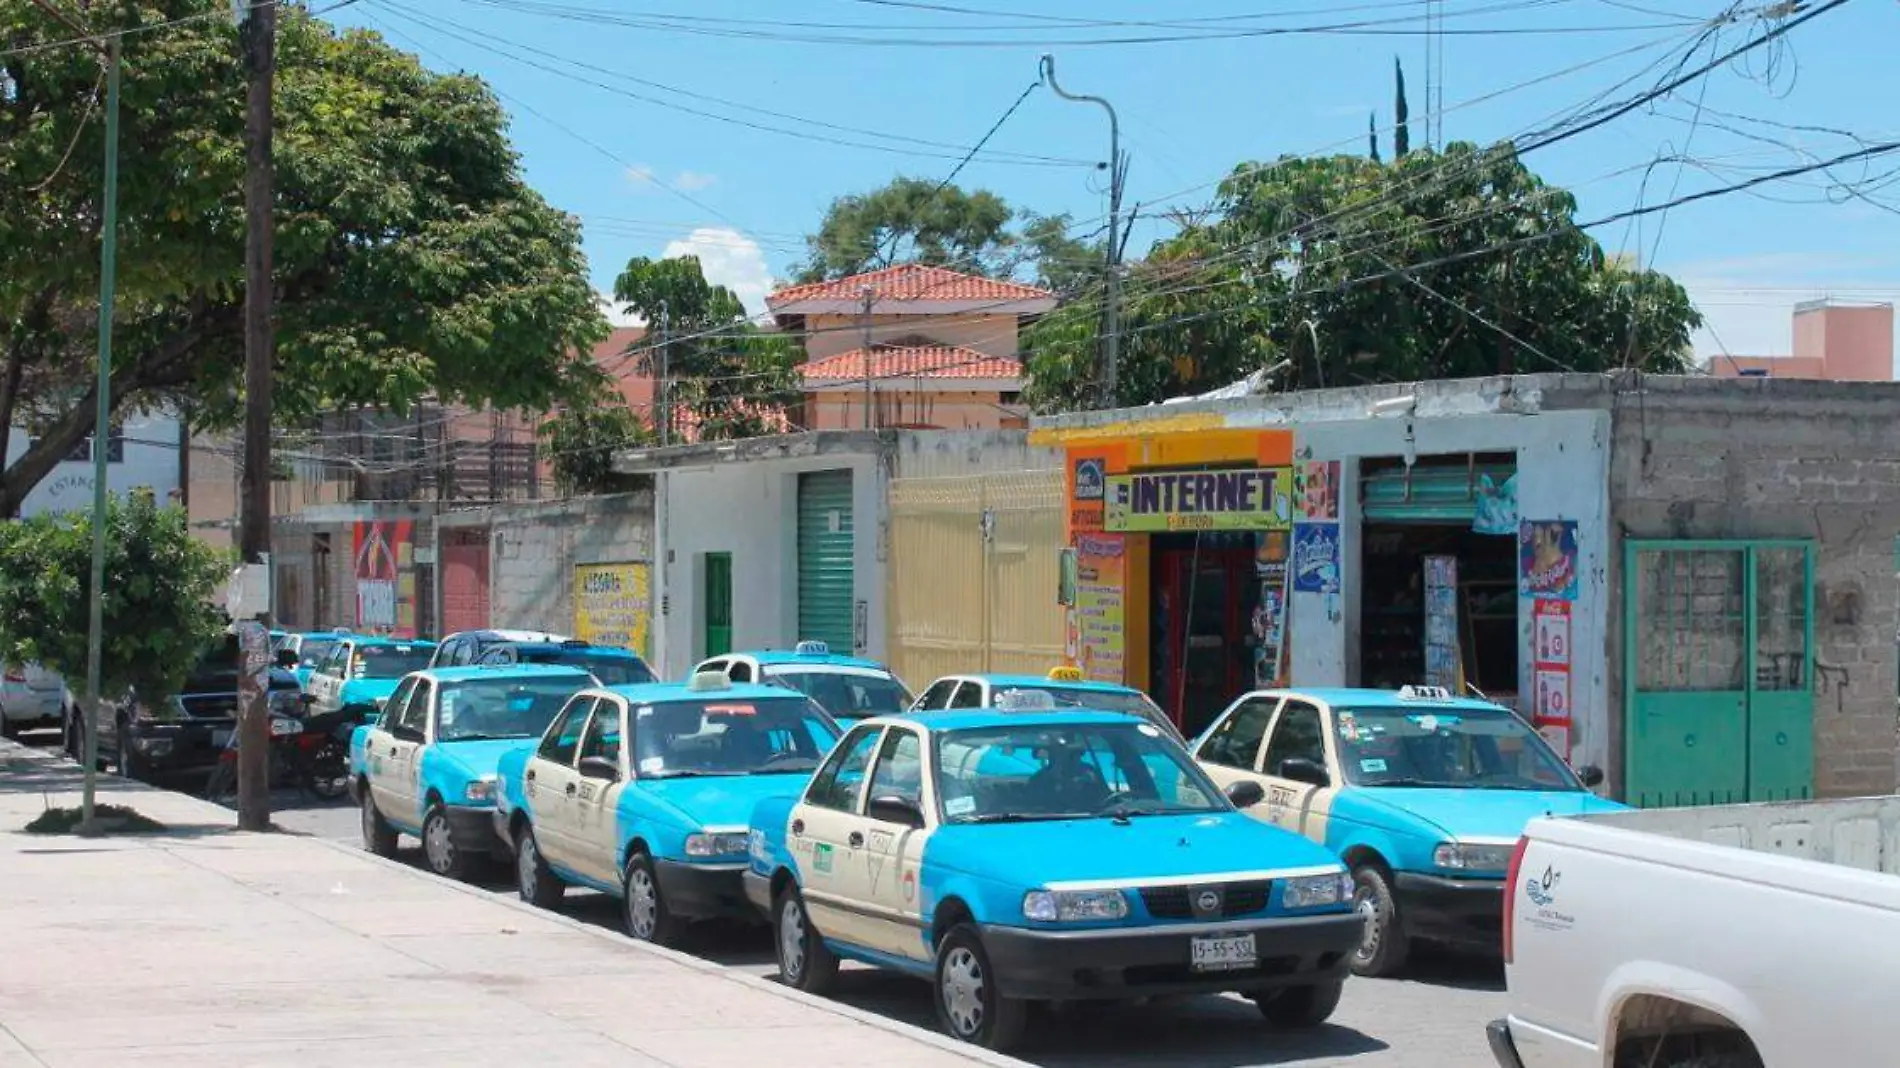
(1153, 502)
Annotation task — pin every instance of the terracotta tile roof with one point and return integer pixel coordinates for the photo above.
(911, 358)
(907, 283)
(686, 421)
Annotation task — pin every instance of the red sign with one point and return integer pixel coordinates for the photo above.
(384, 566)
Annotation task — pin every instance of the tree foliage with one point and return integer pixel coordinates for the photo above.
(159, 613)
(728, 377)
(583, 439)
(1435, 265)
(411, 258)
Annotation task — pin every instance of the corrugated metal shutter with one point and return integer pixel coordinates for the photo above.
(825, 558)
(464, 562)
(1427, 493)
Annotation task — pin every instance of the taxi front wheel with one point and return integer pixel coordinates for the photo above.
(643, 909)
(1383, 947)
(804, 961)
(967, 1000)
(1300, 1006)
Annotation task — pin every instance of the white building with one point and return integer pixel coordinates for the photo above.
(143, 453)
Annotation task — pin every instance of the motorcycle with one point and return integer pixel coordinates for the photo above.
(312, 754)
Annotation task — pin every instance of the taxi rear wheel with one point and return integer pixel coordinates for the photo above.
(804, 961)
(537, 882)
(378, 836)
(967, 1000)
(1383, 947)
(642, 908)
(1300, 1006)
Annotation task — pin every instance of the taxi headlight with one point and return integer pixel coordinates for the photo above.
(1072, 906)
(1464, 856)
(716, 845)
(482, 789)
(1309, 891)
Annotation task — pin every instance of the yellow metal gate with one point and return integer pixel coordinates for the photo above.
(974, 574)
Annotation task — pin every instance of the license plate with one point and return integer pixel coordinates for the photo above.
(220, 738)
(1222, 953)
(280, 727)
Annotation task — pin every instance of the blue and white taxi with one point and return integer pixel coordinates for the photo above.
(361, 672)
(643, 792)
(849, 687)
(1074, 875)
(1422, 794)
(426, 767)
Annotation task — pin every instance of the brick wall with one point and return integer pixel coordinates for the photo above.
(535, 547)
(1694, 458)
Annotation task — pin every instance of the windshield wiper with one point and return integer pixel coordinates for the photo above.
(1426, 783)
(690, 773)
(785, 768)
(1022, 817)
(485, 737)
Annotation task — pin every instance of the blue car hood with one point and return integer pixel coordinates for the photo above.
(1483, 813)
(725, 801)
(479, 758)
(1146, 847)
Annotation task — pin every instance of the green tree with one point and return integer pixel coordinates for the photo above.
(159, 612)
(729, 376)
(583, 439)
(1435, 265)
(411, 258)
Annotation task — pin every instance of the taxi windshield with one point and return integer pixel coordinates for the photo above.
(476, 709)
(730, 736)
(314, 651)
(1015, 773)
(850, 695)
(1424, 746)
(389, 661)
(1131, 702)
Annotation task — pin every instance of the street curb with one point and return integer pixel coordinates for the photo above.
(931, 1039)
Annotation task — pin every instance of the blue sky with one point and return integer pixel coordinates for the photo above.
(652, 180)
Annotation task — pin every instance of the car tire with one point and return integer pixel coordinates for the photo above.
(1383, 947)
(968, 1004)
(1719, 1060)
(534, 880)
(8, 730)
(379, 837)
(439, 851)
(643, 911)
(804, 961)
(1299, 1007)
(127, 760)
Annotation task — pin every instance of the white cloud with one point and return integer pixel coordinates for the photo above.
(616, 313)
(730, 259)
(640, 177)
(644, 178)
(693, 180)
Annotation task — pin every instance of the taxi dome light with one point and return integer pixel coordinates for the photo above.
(704, 681)
(1424, 693)
(1023, 701)
(1065, 673)
(811, 649)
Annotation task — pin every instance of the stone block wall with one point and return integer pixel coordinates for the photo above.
(534, 548)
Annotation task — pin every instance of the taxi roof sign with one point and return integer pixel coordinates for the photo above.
(708, 681)
(1023, 701)
(1424, 693)
(1065, 673)
(811, 649)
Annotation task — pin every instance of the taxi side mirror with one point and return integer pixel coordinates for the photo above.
(596, 767)
(1246, 793)
(1300, 769)
(1590, 775)
(898, 810)
(287, 659)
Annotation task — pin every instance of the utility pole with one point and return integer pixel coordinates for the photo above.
(102, 427)
(663, 412)
(258, 34)
(869, 296)
(1117, 173)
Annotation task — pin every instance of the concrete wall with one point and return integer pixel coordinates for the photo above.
(534, 548)
(829, 335)
(943, 453)
(1770, 459)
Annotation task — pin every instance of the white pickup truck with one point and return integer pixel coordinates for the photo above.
(1735, 936)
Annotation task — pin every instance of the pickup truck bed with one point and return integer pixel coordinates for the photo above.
(1732, 936)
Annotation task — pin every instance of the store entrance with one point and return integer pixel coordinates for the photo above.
(1203, 640)
(1394, 605)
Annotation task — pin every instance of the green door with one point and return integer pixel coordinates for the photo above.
(1719, 667)
(718, 604)
(825, 558)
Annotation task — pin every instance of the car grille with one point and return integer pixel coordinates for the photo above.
(1182, 902)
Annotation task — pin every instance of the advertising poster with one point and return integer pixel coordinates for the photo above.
(1100, 638)
(384, 568)
(1316, 488)
(613, 605)
(1551, 654)
(1161, 501)
(1316, 557)
(1444, 657)
(1547, 559)
(1269, 631)
(1088, 486)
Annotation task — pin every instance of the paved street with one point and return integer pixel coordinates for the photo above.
(1434, 1020)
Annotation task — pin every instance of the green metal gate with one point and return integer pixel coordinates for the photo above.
(718, 604)
(1719, 670)
(825, 559)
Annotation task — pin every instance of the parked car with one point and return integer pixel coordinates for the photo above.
(849, 687)
(362, 672)
(1064, 685)
(30, 697)
(1422, 794)
(1075, 881)
(1731, 936)
(466, 647)
(427, 766)
(611, 664)
(309, 648)
(189, 732)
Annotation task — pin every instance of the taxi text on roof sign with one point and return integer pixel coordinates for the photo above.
(811, 649)
(1065, 673)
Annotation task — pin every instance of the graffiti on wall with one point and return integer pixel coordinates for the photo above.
(384, 566)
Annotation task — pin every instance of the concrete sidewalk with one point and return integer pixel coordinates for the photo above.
(206, 947)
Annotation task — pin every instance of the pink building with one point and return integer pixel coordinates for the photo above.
(1836, 341)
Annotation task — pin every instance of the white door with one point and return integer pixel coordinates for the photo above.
(827, 835)
(1300, 806)
(407, 737)
(594, 831)
(894, 847)
(1230, 751)
(381, 750)
(551, 784)
(326, 681)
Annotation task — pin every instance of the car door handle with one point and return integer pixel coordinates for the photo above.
(530, 776)
(570, 789)
(856, 840)
(798, 827)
